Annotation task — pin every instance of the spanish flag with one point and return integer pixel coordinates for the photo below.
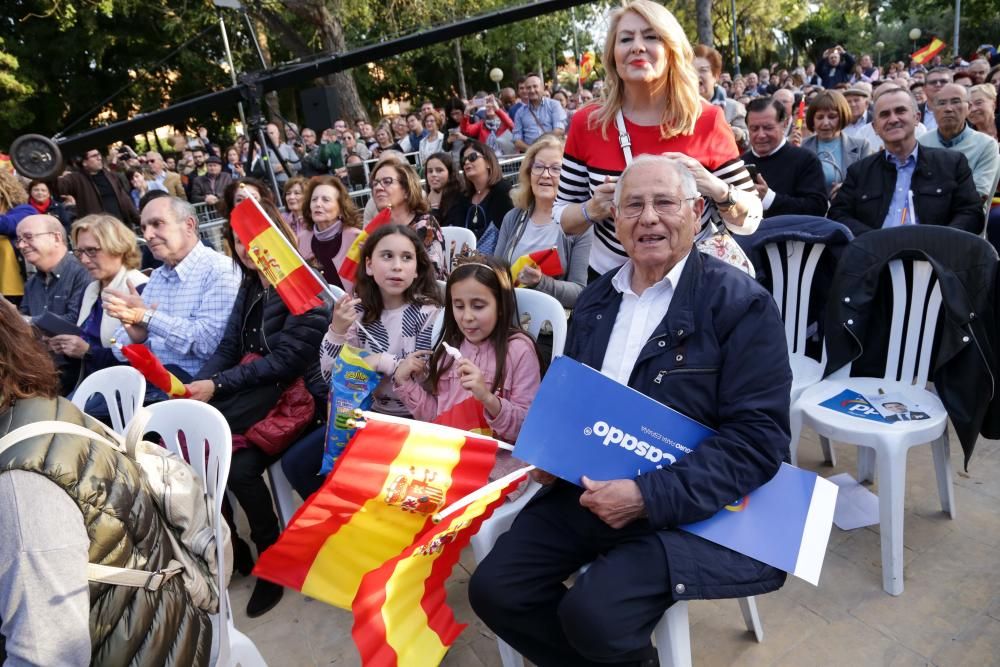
(147, 363)
(547, 260)
(924, 55)
(586, 65)
(394, 474)
(401, 615)
(275, 256)
(349, 267)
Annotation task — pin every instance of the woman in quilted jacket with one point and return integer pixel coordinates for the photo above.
(264, 353)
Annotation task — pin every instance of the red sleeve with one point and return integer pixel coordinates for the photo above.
(505, 119)
(718, 143)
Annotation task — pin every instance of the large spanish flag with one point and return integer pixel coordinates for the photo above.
(143, 360)
(401, 615)
(276, 257)
(546, 260)
(924, 55)
(349, 267)
(394, 474)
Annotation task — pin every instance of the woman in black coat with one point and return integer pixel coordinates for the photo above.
(486, 196)
(288, 348)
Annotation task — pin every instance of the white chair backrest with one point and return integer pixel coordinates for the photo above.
(915, 309)
(541, 307)
(791, 286)
(454, 239)
(123, 389)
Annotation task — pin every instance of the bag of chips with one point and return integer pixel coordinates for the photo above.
(352, 386)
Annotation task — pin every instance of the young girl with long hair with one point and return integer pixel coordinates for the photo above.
(392, 313)
(499, 365)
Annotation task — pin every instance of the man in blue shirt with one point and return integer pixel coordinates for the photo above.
(183, 310)
(907, 184)
(539, 116)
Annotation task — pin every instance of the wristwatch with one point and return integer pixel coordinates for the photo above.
(728, 202)
(147, 315)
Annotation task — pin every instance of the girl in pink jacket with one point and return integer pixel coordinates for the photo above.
(488, 385)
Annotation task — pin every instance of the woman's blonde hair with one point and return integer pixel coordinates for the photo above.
(12, 193)
(521, 195)
(987, 89)
(680, 80)
(115, 238)
(409, 180)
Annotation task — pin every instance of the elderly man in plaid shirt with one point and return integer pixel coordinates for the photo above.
(183, 310)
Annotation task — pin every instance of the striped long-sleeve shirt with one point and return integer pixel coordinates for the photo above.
(590, 157)
(395, 334)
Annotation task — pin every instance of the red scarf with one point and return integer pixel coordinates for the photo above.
(43, 207)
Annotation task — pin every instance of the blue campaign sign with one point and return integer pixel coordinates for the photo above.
(583, 423)
(854, 404)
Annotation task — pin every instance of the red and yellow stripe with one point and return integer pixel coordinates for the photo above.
(143, 360)
(921, 56)
(393, 475)
(401, 615)
(468, 415)
(276, 258)
(546, 260)
(349, 267)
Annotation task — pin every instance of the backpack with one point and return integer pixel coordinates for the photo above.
(179, 495)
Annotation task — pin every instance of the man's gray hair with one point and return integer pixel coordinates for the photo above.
(689, 187)
(182, 210)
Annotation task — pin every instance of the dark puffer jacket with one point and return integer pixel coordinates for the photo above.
(289, 344)
(128, 626)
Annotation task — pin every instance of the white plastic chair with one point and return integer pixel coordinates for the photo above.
(671, 635)
(454, 239)
(791, 287)
(884, 446)
(210, 447)
(123, 389)
(541, 307)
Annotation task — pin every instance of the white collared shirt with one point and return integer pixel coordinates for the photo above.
(637, 319)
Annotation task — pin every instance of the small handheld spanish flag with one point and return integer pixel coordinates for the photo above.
(546, 260)
(275, 256)
(147, 363)
(924, 55)
(800, 116)
(349, 267)
(586, 65)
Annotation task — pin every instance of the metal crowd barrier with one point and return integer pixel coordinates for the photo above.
(210, 222)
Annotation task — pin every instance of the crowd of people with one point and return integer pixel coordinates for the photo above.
(627, 181)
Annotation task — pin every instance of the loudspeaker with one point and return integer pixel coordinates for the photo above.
(320, 107)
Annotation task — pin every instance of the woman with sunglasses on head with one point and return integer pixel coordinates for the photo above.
(109, 252)
(395, 184)
(530, 226)
(486, 197)
(651, 90)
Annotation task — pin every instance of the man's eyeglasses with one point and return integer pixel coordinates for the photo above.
(953, 102)
(540, 168)
(471, 157)
(661, 205)
(28, 238)
(386, 182)
(936, 82)
(91, 253)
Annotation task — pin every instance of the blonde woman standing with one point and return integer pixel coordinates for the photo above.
(651, 89)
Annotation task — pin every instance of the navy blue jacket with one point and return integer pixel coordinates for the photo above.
(719, 356)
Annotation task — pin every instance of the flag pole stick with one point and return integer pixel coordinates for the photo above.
(464, 502)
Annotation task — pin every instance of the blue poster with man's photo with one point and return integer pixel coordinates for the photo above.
(612, 431)
(852, 403)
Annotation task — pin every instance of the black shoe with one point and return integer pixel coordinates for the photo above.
(264, 598)
(242, 557)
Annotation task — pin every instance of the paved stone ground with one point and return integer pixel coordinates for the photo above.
(948, 615)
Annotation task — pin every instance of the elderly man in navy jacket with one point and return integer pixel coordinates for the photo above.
(703, 338)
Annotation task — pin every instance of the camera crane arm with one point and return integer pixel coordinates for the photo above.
(38, 156)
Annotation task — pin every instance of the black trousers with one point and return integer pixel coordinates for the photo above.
(608, 615)
(246, 481)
